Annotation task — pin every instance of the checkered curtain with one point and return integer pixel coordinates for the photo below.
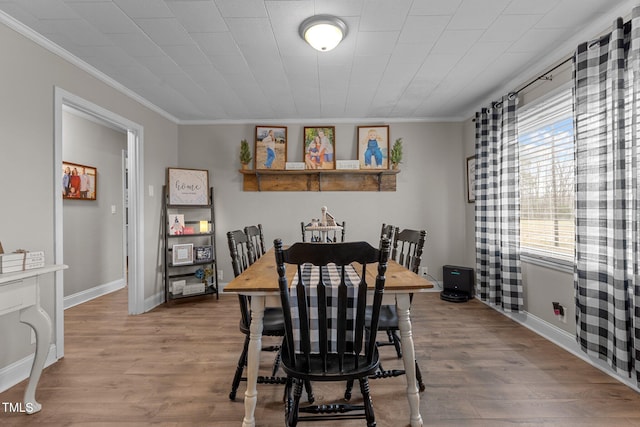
(607, 197)
(497, 208)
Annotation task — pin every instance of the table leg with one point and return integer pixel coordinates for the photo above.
(403, 304)
(253, 360)
(39, 320)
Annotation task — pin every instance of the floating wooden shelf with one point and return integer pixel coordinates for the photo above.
(319, 180)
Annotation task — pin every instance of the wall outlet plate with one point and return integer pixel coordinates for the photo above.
(220, 275)
(424, 271)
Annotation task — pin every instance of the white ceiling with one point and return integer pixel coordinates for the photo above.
(243, 61)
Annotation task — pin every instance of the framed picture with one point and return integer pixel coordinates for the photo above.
(203, 253)
(188, 186)
(79, 181)
(175, 225)
(182, 254)
(271, 147)
(373, 147)
(319, 147)
(471, 179)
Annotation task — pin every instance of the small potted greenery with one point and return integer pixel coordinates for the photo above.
(396, 153)
(245, 154)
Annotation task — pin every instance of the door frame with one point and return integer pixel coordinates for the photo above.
(135, 229)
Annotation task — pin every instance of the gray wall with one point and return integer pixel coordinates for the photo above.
(93, 235)
(430, 189)
(28, 76)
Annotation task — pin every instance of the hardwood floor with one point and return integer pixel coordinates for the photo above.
(173, 367)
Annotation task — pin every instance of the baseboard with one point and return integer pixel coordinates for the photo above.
(562, 339)
(92, 293)
(19, 371)
(153, 301)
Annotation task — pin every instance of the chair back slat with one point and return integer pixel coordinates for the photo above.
(256, 240)
(339, 323)
(407, 248)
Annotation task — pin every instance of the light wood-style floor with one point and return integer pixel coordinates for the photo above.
(173, 366)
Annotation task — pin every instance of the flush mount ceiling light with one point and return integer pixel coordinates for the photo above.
(323, 32)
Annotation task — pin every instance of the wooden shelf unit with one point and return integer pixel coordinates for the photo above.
(319, 180)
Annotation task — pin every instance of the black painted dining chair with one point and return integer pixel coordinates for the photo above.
(326, 335)
(242, 256)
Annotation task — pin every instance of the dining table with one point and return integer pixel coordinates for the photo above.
(260, 282)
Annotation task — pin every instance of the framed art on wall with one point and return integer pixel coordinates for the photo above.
(271, 147)
(373, 147)
(319, 147)
(79, 181)
(471, 179)
(188, 186)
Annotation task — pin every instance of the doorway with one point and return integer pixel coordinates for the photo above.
(135, 229)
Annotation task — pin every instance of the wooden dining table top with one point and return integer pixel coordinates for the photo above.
(262, 277)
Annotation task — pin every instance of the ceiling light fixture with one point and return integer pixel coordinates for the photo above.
(323, 32)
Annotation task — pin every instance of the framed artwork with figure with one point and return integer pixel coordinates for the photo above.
(271, 147)
(319, 147)
(79, 181)
(373, 147)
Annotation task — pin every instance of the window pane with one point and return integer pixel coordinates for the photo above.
(545, 135)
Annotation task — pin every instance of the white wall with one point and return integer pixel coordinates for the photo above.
(430, 189)
(28, 76)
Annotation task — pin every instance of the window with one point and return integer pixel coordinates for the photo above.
(545, 135)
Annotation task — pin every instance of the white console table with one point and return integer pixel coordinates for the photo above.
(20, 291)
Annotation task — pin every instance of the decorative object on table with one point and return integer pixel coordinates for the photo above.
(182, 254)
(203, 253)
(373, 147)
(396, 154)
(326, 218)
(79, 181)
(176, 224)
(319, 147)
(471, 179)
(271, 147)
(188, 186)
(21, 260)
(245, 154)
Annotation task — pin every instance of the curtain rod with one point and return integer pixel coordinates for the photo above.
(543, 75)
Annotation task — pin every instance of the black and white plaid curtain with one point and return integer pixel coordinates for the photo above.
(607, 196)
(497, 209)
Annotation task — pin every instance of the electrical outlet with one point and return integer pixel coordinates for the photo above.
(220, 275)
(424, 271)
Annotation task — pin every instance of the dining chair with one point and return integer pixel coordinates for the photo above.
(326, 335)
(407, 251)
(242, 257)
(256, 238)
(316, 236)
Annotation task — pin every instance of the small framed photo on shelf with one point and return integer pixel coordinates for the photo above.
(319, 147)
(182, 254)
(373, 147)
(176, 225)
(203, 253)
(188, 186)
(271, 147)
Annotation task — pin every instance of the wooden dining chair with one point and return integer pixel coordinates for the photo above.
(242, 256)
(256, 238)
(326, 335)
(407, 251)
(316, 236)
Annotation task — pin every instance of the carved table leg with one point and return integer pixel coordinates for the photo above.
(253, 360)
(403, 304)
(39, 320)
